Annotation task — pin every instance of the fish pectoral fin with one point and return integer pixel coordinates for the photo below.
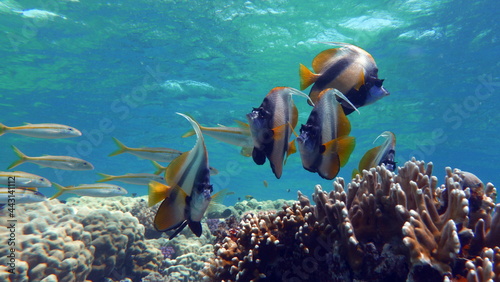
(307, 77)
(259, 156)
(366, 161)
(342, 146)
(279, 131)
(157, 192)
(292, 149)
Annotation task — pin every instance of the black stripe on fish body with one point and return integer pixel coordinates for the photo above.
(356, 97)
(330, 74)
(202, 172)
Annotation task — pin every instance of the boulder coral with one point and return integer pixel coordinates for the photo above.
(72, 243)
(382, 226)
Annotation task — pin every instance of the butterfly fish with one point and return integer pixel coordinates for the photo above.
(271, 125)
(187, 194)
(349, 69)
(380, 155)
(323, 142)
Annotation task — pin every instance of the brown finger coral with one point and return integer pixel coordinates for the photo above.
(382, 226)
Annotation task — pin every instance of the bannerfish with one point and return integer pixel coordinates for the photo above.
(349, 69)
(42, 130)
(324, 143)
(188, 193)
(271, 126)
(160, 169)
(20, 196)
(380, 155)
(92, 190)
(155, 154)
(59, 162)
(239, 136)
(132, 178)
(23, 179)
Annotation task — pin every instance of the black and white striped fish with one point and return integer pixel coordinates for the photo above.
(324, 143)
(349, 69)
(188, 194)
(271, 125)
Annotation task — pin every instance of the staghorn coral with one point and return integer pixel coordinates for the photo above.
(379, 227)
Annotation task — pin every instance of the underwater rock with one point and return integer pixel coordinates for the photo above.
(379, 227)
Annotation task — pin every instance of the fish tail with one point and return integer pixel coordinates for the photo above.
(3, 128)
(307, 77)
(189, 133)
(121, 148)
(158, 167)
(22, 157)
(105, 177)
(60, 190)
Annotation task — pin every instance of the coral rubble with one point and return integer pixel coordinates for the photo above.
(381, 226)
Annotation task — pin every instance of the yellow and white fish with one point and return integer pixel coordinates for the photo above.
(149, 153)
(323, 142)
(23, 179)
(161, 169)
(239, 136)
(59, 162)
(42, 130)
(92, 190)
(132, 178)
(188, 194)
(271, 125)
(20, 196)
(349, 69)
(383, 154)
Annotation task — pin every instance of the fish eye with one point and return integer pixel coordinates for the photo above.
(41, 179)
(70, 129)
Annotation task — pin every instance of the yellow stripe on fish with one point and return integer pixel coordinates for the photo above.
(92, 190)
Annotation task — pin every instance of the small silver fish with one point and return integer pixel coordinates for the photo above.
(133, 178)
(92, 190)
(23, 179)
(59, 162)
(20, 196)
(149, 153)
(42, 130)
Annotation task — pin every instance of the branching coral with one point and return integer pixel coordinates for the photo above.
(381, 226)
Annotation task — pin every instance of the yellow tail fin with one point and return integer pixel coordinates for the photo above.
(307, 77)
(105, 177)
(159, 168)
(60, 190)
(189, 133)
(121, 148)
(22, 158)
(3, 128)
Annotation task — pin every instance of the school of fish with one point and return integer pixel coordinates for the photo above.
(345, 78)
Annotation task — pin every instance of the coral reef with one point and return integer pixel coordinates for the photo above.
(382, 226)
(57, 242)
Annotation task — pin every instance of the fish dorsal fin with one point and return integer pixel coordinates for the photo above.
(174, 169)
(293, 91)
(219, 196)
(366, 161)
(343, 124)
(321, 60)
(157, 192)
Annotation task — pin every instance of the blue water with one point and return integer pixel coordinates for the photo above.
(123, 68)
